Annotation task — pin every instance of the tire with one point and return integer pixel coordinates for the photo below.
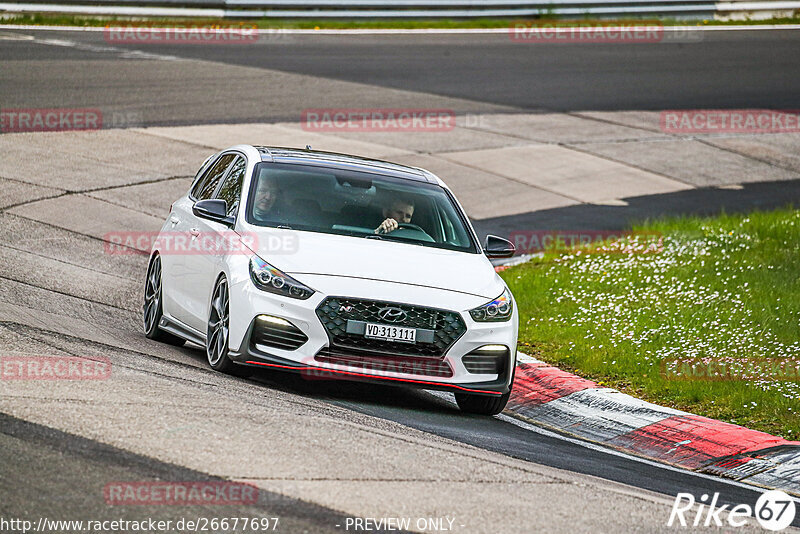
(152, 309)
(482, 404)
(217, 332)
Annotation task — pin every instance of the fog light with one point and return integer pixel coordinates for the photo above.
(274, 320)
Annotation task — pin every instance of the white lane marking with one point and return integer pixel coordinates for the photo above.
(413, 31)
(15, 37)
(123, 53)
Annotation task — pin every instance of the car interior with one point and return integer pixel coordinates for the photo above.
(327, 202)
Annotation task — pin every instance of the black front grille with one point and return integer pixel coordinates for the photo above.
(334, 312)
(281, 336)
(391, 364)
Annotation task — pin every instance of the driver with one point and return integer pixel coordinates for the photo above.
(267, 205)
(397, 211)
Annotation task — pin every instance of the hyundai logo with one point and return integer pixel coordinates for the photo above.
(392, 315)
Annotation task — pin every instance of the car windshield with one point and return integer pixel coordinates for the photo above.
(345, 202)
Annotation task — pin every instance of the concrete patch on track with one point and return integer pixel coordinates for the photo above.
(691, 162)
(218, 137)
(17, 192)
(562, 128)
(645, 121)
(79, 161)
(466, 134)
(148, 198)
(55, 243)
(565, 172)
(782, 150)
(36, 270)
(487, 194)
(102, 217)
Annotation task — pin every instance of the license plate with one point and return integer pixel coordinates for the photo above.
(391, 333)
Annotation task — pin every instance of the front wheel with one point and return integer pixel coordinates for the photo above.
(482, 404)
(217, 332)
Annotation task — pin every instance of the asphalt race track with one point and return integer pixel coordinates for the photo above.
(319, 452)
(472, 73)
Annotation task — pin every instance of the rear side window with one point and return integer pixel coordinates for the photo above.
(231, 189)
(206, 186)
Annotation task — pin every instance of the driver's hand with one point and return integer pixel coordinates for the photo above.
(389, 225)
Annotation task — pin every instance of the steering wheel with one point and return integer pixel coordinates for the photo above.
(409, 226)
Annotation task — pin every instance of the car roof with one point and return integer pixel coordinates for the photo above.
(343, 161)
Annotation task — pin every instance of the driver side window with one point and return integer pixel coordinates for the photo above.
(231, 189)
(206, 185)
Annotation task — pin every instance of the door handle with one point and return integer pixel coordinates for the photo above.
(195, 232)
(174, 220)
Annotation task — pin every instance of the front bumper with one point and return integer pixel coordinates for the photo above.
(318, 357)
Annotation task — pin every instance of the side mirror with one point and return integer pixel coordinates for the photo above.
(214, 210)
(496, 247)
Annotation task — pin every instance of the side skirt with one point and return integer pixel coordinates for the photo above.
(173, 326)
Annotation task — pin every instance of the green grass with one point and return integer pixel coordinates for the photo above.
(723, 289)
(95, 21)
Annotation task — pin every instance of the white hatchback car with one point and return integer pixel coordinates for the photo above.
(334, 266)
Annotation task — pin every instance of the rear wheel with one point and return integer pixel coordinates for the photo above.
(217, 332)
(152, 308)
(482, 404)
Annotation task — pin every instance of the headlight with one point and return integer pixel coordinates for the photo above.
(268, 278)
(497, 310)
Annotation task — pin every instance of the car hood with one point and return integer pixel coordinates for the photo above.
(297, 253)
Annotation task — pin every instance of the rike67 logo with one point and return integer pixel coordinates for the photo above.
(774, 510)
